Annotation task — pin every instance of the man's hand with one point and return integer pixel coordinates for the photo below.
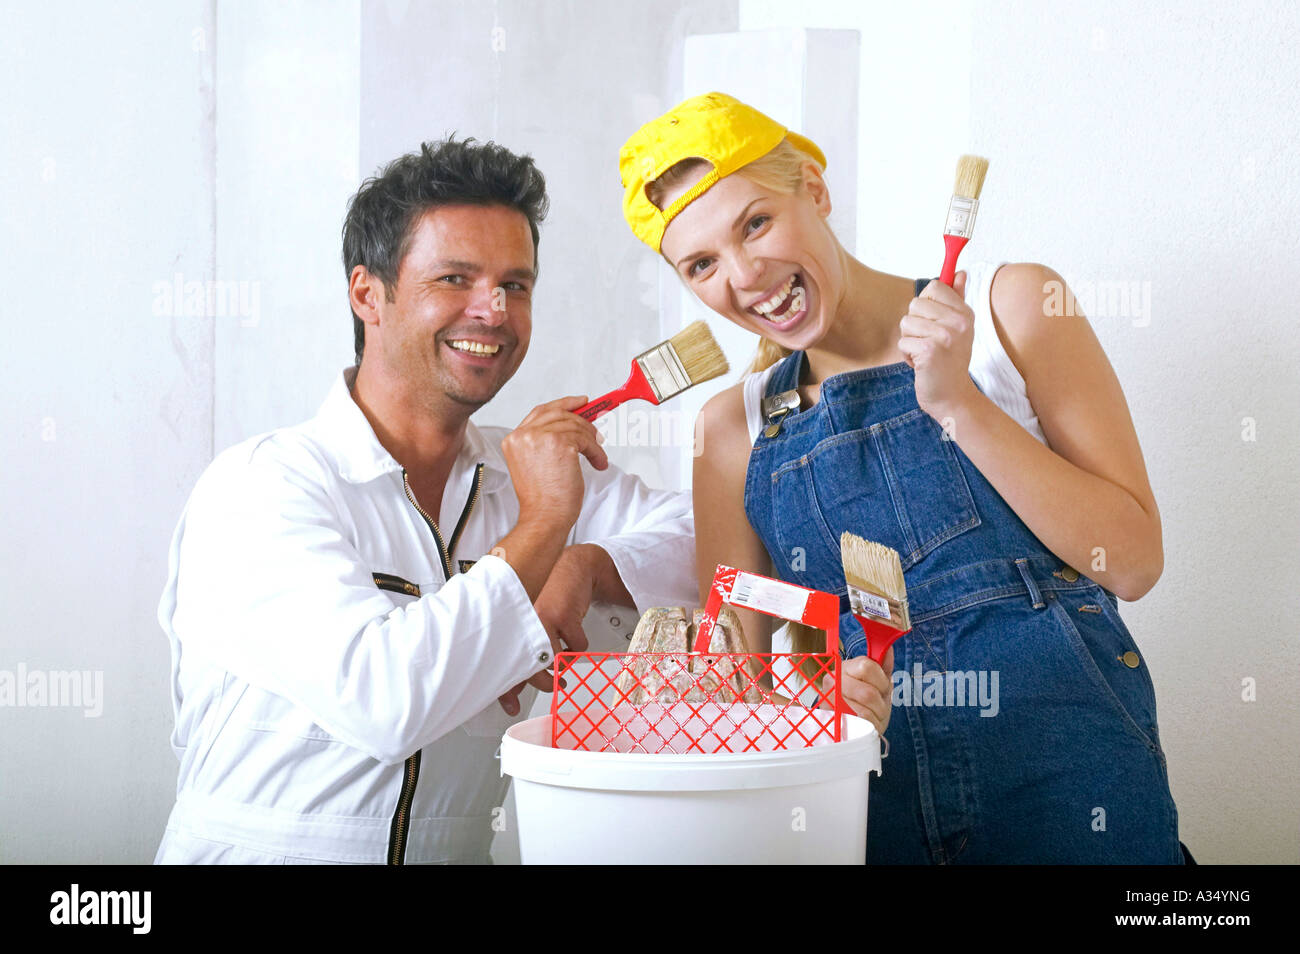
(566, 598)
(542, 455)
(563, 603)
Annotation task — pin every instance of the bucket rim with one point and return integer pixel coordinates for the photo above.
(527, 760)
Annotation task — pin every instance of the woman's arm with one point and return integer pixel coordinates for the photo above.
(1087, 497)
(722, 530)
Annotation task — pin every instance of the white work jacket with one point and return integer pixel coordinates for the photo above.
(337, 658)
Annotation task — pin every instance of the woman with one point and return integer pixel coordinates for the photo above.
(986, 442)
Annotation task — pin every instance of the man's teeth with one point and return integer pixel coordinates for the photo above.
(474, 347)
(765, 308)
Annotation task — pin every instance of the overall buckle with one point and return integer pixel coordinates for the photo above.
(777, 407)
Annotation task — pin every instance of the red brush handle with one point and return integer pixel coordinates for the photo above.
(723, 578)
(880, 636)
(952, 246)
(635, 388)
(821, 610)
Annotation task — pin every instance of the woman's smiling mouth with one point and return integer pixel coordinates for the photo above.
(783, 307)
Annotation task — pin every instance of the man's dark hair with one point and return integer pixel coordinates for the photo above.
(383, 214)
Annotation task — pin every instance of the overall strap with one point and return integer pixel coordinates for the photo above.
(786, 375)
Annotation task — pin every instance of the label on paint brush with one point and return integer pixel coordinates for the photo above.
(868, 604)
(961, 216)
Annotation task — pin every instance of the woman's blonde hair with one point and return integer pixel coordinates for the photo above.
(780, 170)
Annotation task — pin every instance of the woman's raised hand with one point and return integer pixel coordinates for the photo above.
(937, 333)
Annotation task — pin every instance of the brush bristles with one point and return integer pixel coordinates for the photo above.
(699, 352)
(970, 176)
(875, 568)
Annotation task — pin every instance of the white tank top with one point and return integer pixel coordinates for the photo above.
(989, 364)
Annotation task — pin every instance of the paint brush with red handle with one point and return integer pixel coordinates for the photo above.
(961, 212)
(690, 357)
(877, 593)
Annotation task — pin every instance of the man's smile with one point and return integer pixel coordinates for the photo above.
(470, 346)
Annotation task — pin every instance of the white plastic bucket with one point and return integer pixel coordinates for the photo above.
(798, 806)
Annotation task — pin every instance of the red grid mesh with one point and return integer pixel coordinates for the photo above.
(693, 702)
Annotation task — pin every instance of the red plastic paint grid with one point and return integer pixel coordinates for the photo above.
(706, 702)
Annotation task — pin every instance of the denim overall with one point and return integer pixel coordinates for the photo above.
(1062, 763)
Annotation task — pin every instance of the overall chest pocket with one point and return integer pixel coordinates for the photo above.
(897, 482)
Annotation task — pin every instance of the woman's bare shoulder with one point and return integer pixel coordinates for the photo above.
(1019, 300)
(722, 431)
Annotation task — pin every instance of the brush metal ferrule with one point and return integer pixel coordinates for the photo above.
(865, 603)
(664, 370)
(961, 216)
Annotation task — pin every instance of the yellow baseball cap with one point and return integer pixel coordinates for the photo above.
(714, 126)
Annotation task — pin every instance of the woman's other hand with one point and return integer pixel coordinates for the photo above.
(867, 688)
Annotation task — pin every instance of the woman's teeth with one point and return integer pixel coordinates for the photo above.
(786, 302)
(474, 347)
(779, 296)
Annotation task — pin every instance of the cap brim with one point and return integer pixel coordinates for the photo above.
(804, 144)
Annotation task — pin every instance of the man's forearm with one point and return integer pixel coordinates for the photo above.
(531, 549)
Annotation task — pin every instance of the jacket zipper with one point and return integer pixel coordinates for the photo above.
(402, 815)
(395, 584)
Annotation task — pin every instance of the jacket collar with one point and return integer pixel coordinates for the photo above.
(361, 458)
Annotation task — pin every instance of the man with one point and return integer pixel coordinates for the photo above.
(356, 604)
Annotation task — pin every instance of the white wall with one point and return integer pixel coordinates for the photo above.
(912, 102)
(1152, 144)
(107, 172)
(149, 148)
(288, 133)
